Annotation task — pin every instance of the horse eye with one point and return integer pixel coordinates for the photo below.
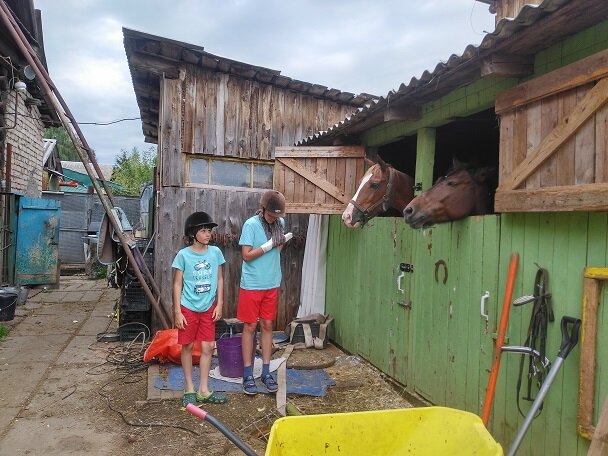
(451, 183)
(374, 185)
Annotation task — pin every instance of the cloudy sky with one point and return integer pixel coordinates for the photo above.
(356, 46)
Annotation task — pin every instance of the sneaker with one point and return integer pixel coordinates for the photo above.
(188, 398)
(270, 383)
(249, 386)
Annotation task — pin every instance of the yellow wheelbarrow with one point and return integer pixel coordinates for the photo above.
(421, 431)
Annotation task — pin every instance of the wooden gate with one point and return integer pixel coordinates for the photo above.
(318, 180)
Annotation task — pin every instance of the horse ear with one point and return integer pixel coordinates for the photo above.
(382, 163)
(485, 174)
(369, 162)
(458, 164)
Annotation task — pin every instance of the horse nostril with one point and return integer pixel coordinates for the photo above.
(408, 211)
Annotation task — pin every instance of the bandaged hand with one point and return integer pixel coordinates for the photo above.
(270, 244)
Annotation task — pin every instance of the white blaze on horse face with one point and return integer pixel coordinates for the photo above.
(347, 215)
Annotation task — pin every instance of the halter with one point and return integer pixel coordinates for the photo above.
(385, 200)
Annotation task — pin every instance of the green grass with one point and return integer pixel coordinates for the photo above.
(4, 330)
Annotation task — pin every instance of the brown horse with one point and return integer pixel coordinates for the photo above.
(381, 188)
(462, 192)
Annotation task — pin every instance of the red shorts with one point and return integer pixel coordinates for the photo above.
(200, 326)
(257, 303)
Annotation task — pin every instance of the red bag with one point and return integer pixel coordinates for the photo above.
(164, 348)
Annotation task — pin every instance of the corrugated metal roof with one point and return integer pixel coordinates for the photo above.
(536, 27)
(77, 166)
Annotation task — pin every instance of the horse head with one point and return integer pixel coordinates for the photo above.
(381, 188)
(462, 192)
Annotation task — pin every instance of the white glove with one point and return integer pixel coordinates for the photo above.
(267, 246)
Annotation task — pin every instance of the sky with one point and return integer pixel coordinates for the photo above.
(353, 46)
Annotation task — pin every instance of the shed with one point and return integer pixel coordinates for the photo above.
(531, 98)
(217, 123)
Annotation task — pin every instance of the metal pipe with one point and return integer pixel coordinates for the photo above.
(37, 65)
(162, 312)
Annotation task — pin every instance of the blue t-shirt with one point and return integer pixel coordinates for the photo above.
(263, 273)
(199, 285)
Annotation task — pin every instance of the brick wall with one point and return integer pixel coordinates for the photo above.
(26, 139)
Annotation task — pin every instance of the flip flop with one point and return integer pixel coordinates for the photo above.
(211, 398)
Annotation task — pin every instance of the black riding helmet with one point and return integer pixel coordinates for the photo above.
(197, 220)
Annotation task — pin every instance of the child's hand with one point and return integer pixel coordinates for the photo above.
(217, 313)
(180, 321)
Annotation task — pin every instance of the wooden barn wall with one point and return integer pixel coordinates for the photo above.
(443, 346)
(228, 208)
(235, 117)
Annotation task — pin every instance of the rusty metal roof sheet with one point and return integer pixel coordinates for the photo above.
(536, 27)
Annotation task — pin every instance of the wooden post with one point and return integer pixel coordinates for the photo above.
(425, 157)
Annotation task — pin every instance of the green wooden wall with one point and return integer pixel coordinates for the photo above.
(440, 346)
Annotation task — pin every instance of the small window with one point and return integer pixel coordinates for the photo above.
(262, 176)
(199, 171)
(230, 173)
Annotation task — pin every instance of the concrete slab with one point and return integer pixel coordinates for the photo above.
(97, 324)
(51, 323)
(31, 349)
(82, 350)
(15, 389)
(7, 415)
(67, 388)
(57, 436)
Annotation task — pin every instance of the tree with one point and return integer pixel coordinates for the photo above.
(66, 148)
(134, 169)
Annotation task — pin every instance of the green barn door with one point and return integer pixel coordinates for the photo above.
(455, 264)
(383, 312)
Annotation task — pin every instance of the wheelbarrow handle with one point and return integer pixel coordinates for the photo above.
(569, 339)
(194, 410)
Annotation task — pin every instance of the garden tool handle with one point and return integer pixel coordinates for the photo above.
(569, 340)
(194, 410)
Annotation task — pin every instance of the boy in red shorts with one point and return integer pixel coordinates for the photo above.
(261, 242)
(198, 298)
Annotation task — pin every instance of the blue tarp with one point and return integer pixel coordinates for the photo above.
(310, 382)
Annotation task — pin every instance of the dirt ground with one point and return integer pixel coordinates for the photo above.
(95, 398)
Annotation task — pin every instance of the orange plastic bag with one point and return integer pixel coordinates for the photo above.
(164, 348)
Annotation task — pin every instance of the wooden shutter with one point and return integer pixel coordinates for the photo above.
(318, 180)
(554, 140)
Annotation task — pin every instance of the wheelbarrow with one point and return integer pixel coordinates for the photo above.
(417, 431)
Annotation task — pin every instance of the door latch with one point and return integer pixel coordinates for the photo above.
(406, 267)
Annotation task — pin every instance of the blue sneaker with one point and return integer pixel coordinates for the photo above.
(270, 383)
(249, 386)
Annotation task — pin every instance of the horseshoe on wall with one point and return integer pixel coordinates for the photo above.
(445, 271)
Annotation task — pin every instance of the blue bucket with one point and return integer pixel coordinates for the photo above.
(230, 356)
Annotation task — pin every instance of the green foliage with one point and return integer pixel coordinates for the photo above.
(134, 169)
(4, 330)
(66, 148)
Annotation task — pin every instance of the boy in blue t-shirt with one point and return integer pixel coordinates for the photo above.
(198, 299)
(261, 241)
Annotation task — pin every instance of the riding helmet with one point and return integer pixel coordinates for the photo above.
(197, 220)
(273, 202)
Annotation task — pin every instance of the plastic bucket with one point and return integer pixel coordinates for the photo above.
(8, 302)
(230, 356)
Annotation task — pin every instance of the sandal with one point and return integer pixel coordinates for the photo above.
(188, 398)
(270, 383)
(211, 398)
(249, 386)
